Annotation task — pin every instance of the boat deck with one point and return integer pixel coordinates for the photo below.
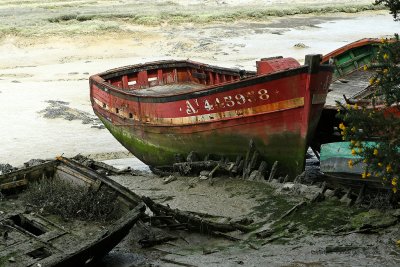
(169, 89)
(353, 86)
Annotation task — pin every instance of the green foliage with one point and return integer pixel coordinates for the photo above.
(378, 120)
(393, 5)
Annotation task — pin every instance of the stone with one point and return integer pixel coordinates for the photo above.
(287, 186)
(256, 176)
(301, 45)
(345, 199)
(204, 175)
(329, 193)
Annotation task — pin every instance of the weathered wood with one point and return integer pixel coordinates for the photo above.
(211, 174)
(253, 161)
(249, 155)
(196, 167)
(360, 196)
(239, 168)
(263, 168)
(193, 156)
(193, 222)
(273, 171)
(265, 233)
(155, 240)
(296, 207)
(226, 236)
(286, 179)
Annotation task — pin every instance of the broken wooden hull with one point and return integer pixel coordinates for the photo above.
(334, 158)
(352, 57)
(36, 240)
(349, 77)
(219, 112)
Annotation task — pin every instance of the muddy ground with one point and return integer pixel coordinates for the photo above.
(49, 49)
(327, 232)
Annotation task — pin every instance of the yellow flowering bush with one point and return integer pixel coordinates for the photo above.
(372, 131)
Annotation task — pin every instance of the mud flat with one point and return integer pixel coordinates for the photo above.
(49, 49)
(55, 67)
(287, 226)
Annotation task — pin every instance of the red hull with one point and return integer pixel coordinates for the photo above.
(220, 115)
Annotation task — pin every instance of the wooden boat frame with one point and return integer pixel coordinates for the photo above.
(84, 252)
(230, 108)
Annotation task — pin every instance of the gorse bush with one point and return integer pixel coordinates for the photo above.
(378, 120)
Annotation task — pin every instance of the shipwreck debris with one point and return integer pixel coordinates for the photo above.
(191, 221)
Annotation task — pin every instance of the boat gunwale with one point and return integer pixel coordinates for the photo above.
(355, 44)
(102, 242)
(205, 91)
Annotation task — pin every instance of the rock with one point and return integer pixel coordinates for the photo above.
(274, 181)
(33, 162)
(287, 186)
(11, 259)
(5, 168)
(256, 176)
(169, 179)
(345, 199)
(204, 175)
(98, 126)
(329, 193)
(301, 45)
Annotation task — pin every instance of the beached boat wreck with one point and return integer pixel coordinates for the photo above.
(334, 165)
(162, 109)
(31, 237)
(350, 83)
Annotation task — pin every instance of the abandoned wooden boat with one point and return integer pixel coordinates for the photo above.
(31, 237)
(162, 109)
(334, 158)
(349, 77)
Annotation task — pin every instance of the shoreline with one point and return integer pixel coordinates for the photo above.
(41, 68)
(63, 19)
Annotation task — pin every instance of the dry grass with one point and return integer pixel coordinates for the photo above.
(70, 201)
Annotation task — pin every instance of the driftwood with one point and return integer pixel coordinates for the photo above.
(193, 223)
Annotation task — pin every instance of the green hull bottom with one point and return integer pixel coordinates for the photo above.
(160, 149)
